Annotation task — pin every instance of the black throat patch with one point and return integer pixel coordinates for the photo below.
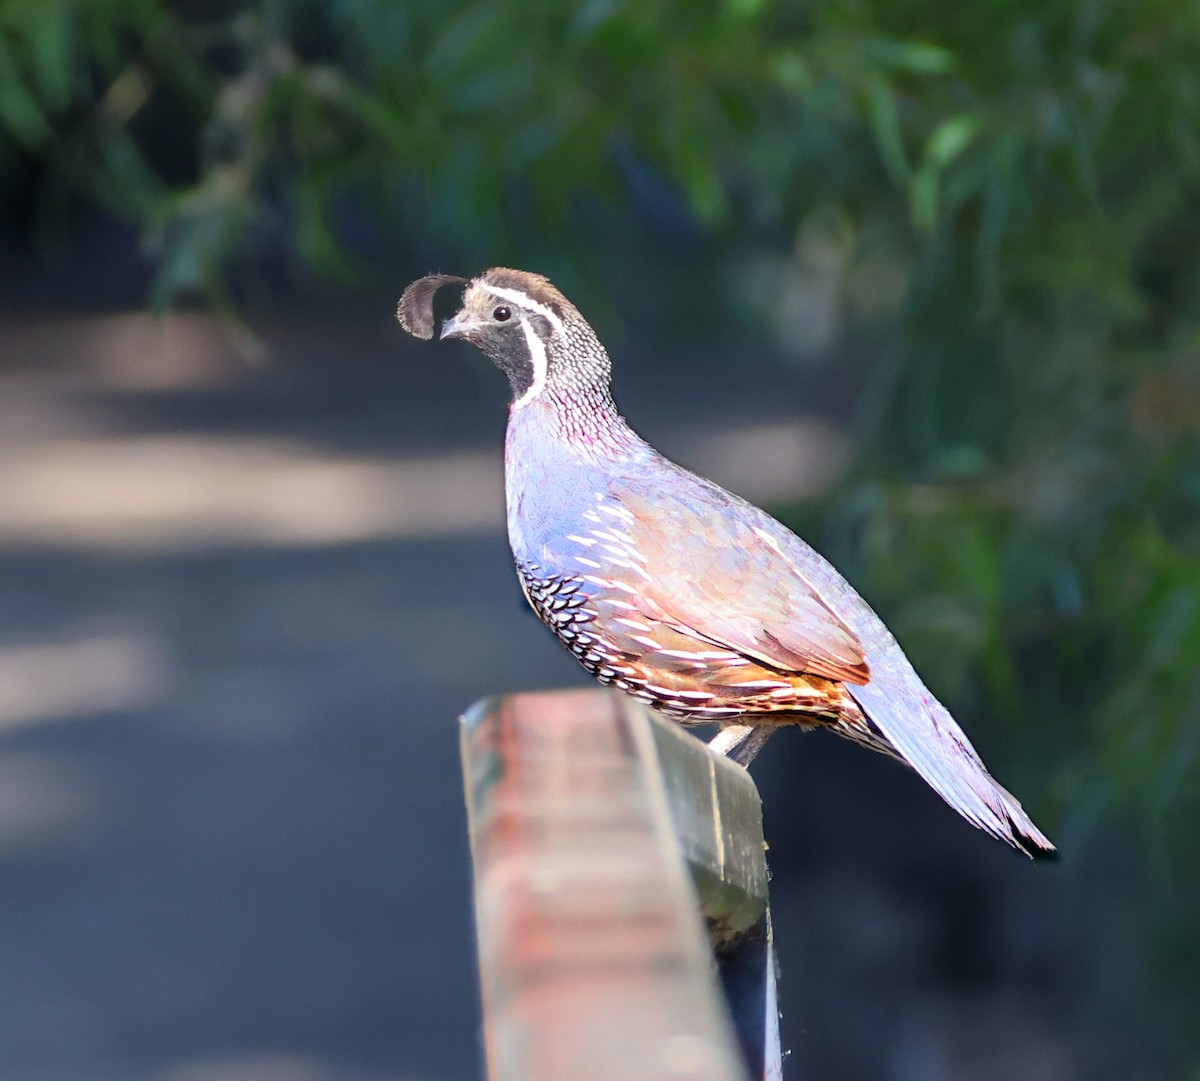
(508, 348)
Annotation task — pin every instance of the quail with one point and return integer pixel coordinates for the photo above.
(676, 591)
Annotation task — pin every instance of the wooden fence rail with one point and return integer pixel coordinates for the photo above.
(620, 896)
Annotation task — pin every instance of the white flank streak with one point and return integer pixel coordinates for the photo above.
(773, 543)
(587, 541)
(587, 562)
(768, 539)
(603, 583)
(537, 357)
(632, 624)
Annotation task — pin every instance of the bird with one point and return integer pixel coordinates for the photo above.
(675, 591)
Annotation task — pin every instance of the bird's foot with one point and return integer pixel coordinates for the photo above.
(740, 742)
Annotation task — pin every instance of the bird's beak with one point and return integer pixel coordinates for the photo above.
(457, 326)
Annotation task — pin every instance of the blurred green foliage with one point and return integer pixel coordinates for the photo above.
(1000, 202)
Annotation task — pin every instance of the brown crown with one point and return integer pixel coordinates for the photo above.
(535, 286)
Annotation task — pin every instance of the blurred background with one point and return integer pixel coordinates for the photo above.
(923, 277)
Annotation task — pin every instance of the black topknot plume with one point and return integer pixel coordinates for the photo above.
(415, 310)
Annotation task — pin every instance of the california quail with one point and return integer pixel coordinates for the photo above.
(676, 591)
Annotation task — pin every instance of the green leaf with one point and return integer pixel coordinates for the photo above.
(885, 122)
(923, 199)
(950, 138)
(947, 141)
(919, 57)
(790, 70)
(51, 59)
(20, 112)
(463, 36)
(743, 10)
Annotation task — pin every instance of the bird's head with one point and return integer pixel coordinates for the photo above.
(522, 323)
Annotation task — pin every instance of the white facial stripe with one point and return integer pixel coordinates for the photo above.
(537, 357)
(523, 300)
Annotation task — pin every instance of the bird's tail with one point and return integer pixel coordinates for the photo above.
(923, 735)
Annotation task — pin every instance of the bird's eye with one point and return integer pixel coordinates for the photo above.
(502, 314)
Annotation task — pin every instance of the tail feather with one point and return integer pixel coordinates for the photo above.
(922, 734)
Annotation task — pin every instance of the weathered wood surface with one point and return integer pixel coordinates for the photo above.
(601, 836)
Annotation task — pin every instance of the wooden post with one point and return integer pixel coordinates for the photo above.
(604, 839)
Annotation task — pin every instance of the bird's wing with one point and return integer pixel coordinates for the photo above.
(718, 572)
(717, 568)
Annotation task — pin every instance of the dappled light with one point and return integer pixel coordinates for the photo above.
(80, 677)
(130, 351)
(169, 493)
(189, 494)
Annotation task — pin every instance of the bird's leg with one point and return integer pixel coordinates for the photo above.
(740, 742)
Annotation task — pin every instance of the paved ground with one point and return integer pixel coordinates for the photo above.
(240, 609)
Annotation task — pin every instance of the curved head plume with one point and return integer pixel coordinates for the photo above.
(415, 310)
